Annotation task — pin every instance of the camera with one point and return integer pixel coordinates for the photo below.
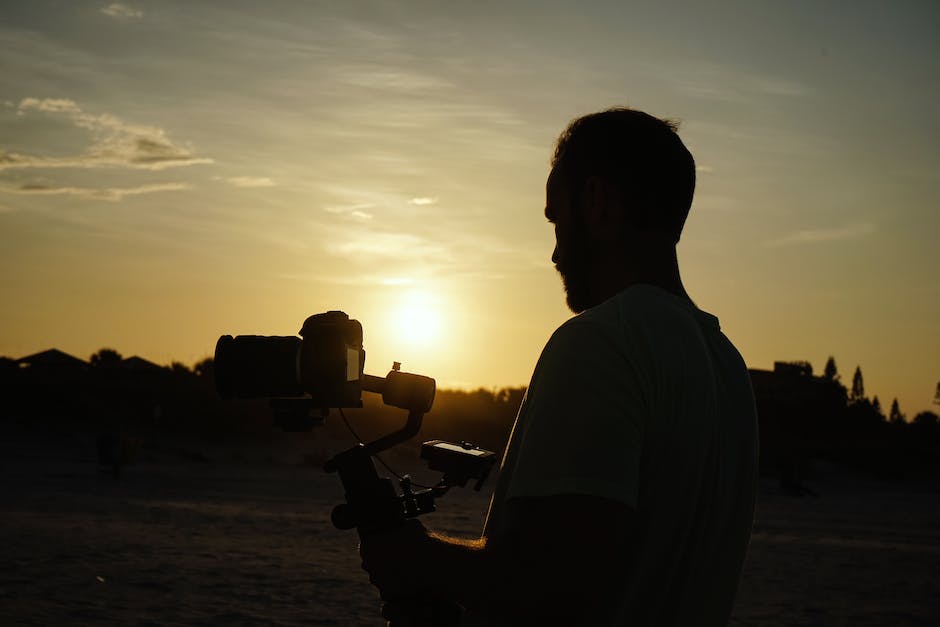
(320, 370)
(326, 362)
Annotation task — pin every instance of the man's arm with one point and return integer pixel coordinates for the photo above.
(559, 562)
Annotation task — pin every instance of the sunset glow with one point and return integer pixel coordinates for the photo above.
(173, 171)
(416, 321)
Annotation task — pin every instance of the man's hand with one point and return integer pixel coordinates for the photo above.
(397, 561)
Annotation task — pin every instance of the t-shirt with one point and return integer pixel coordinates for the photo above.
(643, 400)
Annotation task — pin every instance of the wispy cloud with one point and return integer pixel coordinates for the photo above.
(250, 181)
(423, 201)
(121, 11)
(375, 245)
(813, 236)
(106, 193)
(390, 78)
(355, 210)
(778, 87)
(396, 281)
(360, 280)
(724, 84)
(115, 142)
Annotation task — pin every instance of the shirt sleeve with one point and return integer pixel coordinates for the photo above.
(582, 423)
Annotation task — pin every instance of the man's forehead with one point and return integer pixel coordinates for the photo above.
(554, 195)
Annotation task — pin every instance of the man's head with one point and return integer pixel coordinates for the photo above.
(619, 178)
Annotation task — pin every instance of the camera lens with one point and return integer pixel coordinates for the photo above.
(255, 366)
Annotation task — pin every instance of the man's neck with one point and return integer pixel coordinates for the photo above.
(651, 265)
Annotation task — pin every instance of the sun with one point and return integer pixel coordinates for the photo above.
(417, 320)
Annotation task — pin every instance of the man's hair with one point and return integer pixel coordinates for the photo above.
(640, 154)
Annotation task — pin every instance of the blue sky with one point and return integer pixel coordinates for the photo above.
(170, 171)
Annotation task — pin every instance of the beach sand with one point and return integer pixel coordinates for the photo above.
(240, 535)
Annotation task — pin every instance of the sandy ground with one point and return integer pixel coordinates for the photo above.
(240, 535)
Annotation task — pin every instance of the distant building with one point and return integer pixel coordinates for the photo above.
(52, 360)
(139, 364)
(793, 368)
(799, 416)
(791, 385)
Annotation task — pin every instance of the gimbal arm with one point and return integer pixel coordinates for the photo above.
(412, 392)
(371, 501)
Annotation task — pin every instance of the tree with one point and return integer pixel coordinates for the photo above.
(180, 369)
(831, 373)
(106, 358)
(926, 418)
(205, 368)
(936, 398)
(895, 415)
(858, 387)
(876, 406)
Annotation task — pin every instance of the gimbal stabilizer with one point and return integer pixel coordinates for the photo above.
(324, 370)
(366, 506)
(372, 503)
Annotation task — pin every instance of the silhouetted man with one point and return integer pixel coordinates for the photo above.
(626, 493)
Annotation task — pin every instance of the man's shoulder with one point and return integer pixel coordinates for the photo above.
(608, 332)
(634, 309)
(601, 323)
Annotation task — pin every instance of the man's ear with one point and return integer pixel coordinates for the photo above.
(602, 210)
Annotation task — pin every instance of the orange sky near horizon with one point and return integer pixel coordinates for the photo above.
(170, 173)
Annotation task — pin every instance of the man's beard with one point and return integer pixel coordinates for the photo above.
(575, 273)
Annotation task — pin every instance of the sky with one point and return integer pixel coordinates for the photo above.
(174, 171)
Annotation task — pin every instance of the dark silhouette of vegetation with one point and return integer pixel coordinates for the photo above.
(857, 394)
(802, 416)
(106, 358)
(876, 406)
(895, 416)
(113, 396)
